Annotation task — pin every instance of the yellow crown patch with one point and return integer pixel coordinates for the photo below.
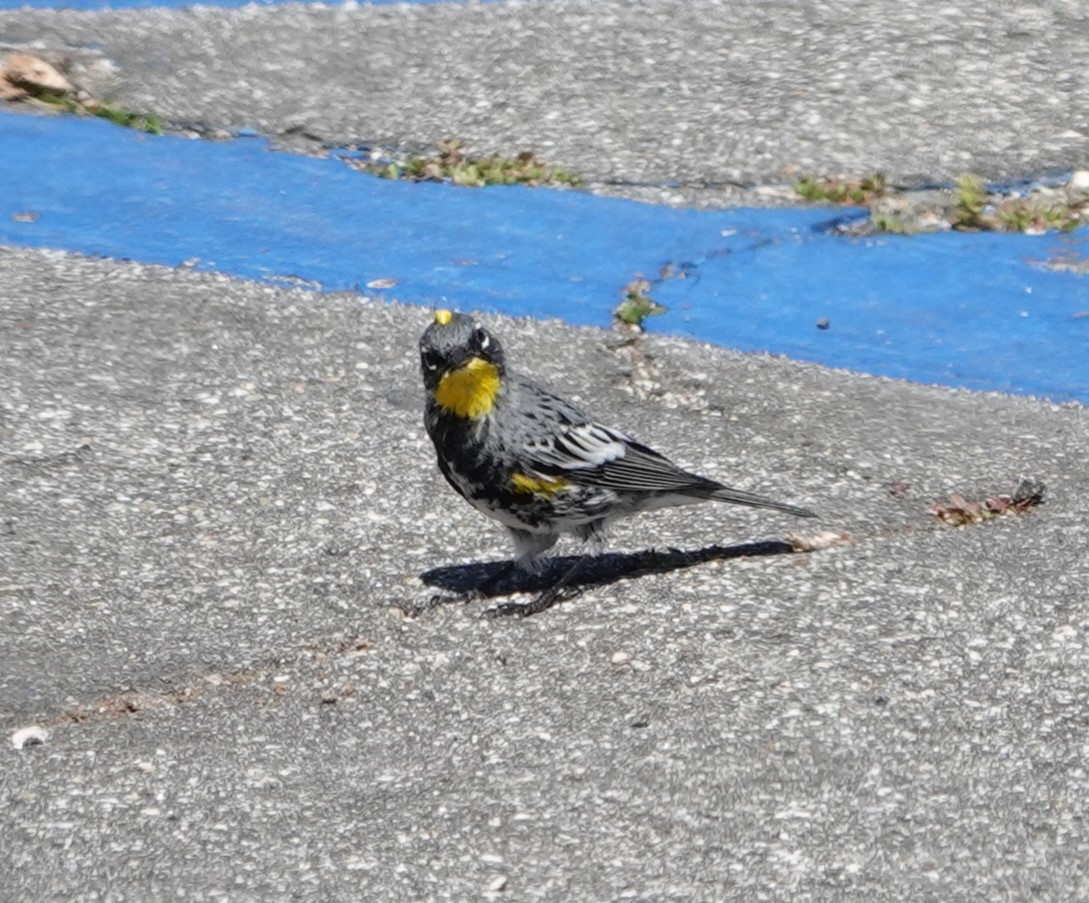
(443, 317)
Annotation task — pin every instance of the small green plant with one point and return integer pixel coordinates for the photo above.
(840, 191)
(142, 122)
(976, 210)
(1021, 215)
(970, 201)
(891, 225)
(637, 304)
(968, 207)
(453, 164)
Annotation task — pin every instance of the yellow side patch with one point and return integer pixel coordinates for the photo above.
(522, 482)
(470, 390)
(443, 317)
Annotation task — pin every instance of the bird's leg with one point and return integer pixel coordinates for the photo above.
(544, 600)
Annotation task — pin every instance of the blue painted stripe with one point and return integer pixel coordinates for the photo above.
(964, 310)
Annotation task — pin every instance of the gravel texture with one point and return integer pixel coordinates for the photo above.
(215, 496)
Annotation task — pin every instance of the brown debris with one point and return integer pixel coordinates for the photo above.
(23, 75)
(815, 542)
(959, 512)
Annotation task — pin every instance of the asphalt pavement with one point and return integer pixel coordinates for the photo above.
(217, 499)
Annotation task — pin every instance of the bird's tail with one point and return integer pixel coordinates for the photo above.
(719, 493)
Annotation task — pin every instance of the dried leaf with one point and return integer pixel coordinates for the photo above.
(815, 542)
(960, 512)
(34, 75)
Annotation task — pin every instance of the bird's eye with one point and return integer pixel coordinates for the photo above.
(432, 360)
(482, 339)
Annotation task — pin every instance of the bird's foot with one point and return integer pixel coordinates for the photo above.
(414, 611)
(560, 591)
(541, 602)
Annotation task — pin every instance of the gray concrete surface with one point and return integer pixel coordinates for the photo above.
(717, 96)
(216, 495)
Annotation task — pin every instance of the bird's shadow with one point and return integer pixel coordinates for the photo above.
(489, 579)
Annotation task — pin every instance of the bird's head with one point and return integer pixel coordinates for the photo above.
(462, 364)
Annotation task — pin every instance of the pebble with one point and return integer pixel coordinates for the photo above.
(28, 736)
(1079, 180)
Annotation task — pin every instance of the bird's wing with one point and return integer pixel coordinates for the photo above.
(644, 468)
(571, 445)
(557, 440)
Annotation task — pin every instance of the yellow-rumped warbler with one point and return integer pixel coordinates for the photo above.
(535, 462)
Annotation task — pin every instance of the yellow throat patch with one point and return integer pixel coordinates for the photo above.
(470, 390)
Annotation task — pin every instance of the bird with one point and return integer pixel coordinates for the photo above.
(537, 463)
